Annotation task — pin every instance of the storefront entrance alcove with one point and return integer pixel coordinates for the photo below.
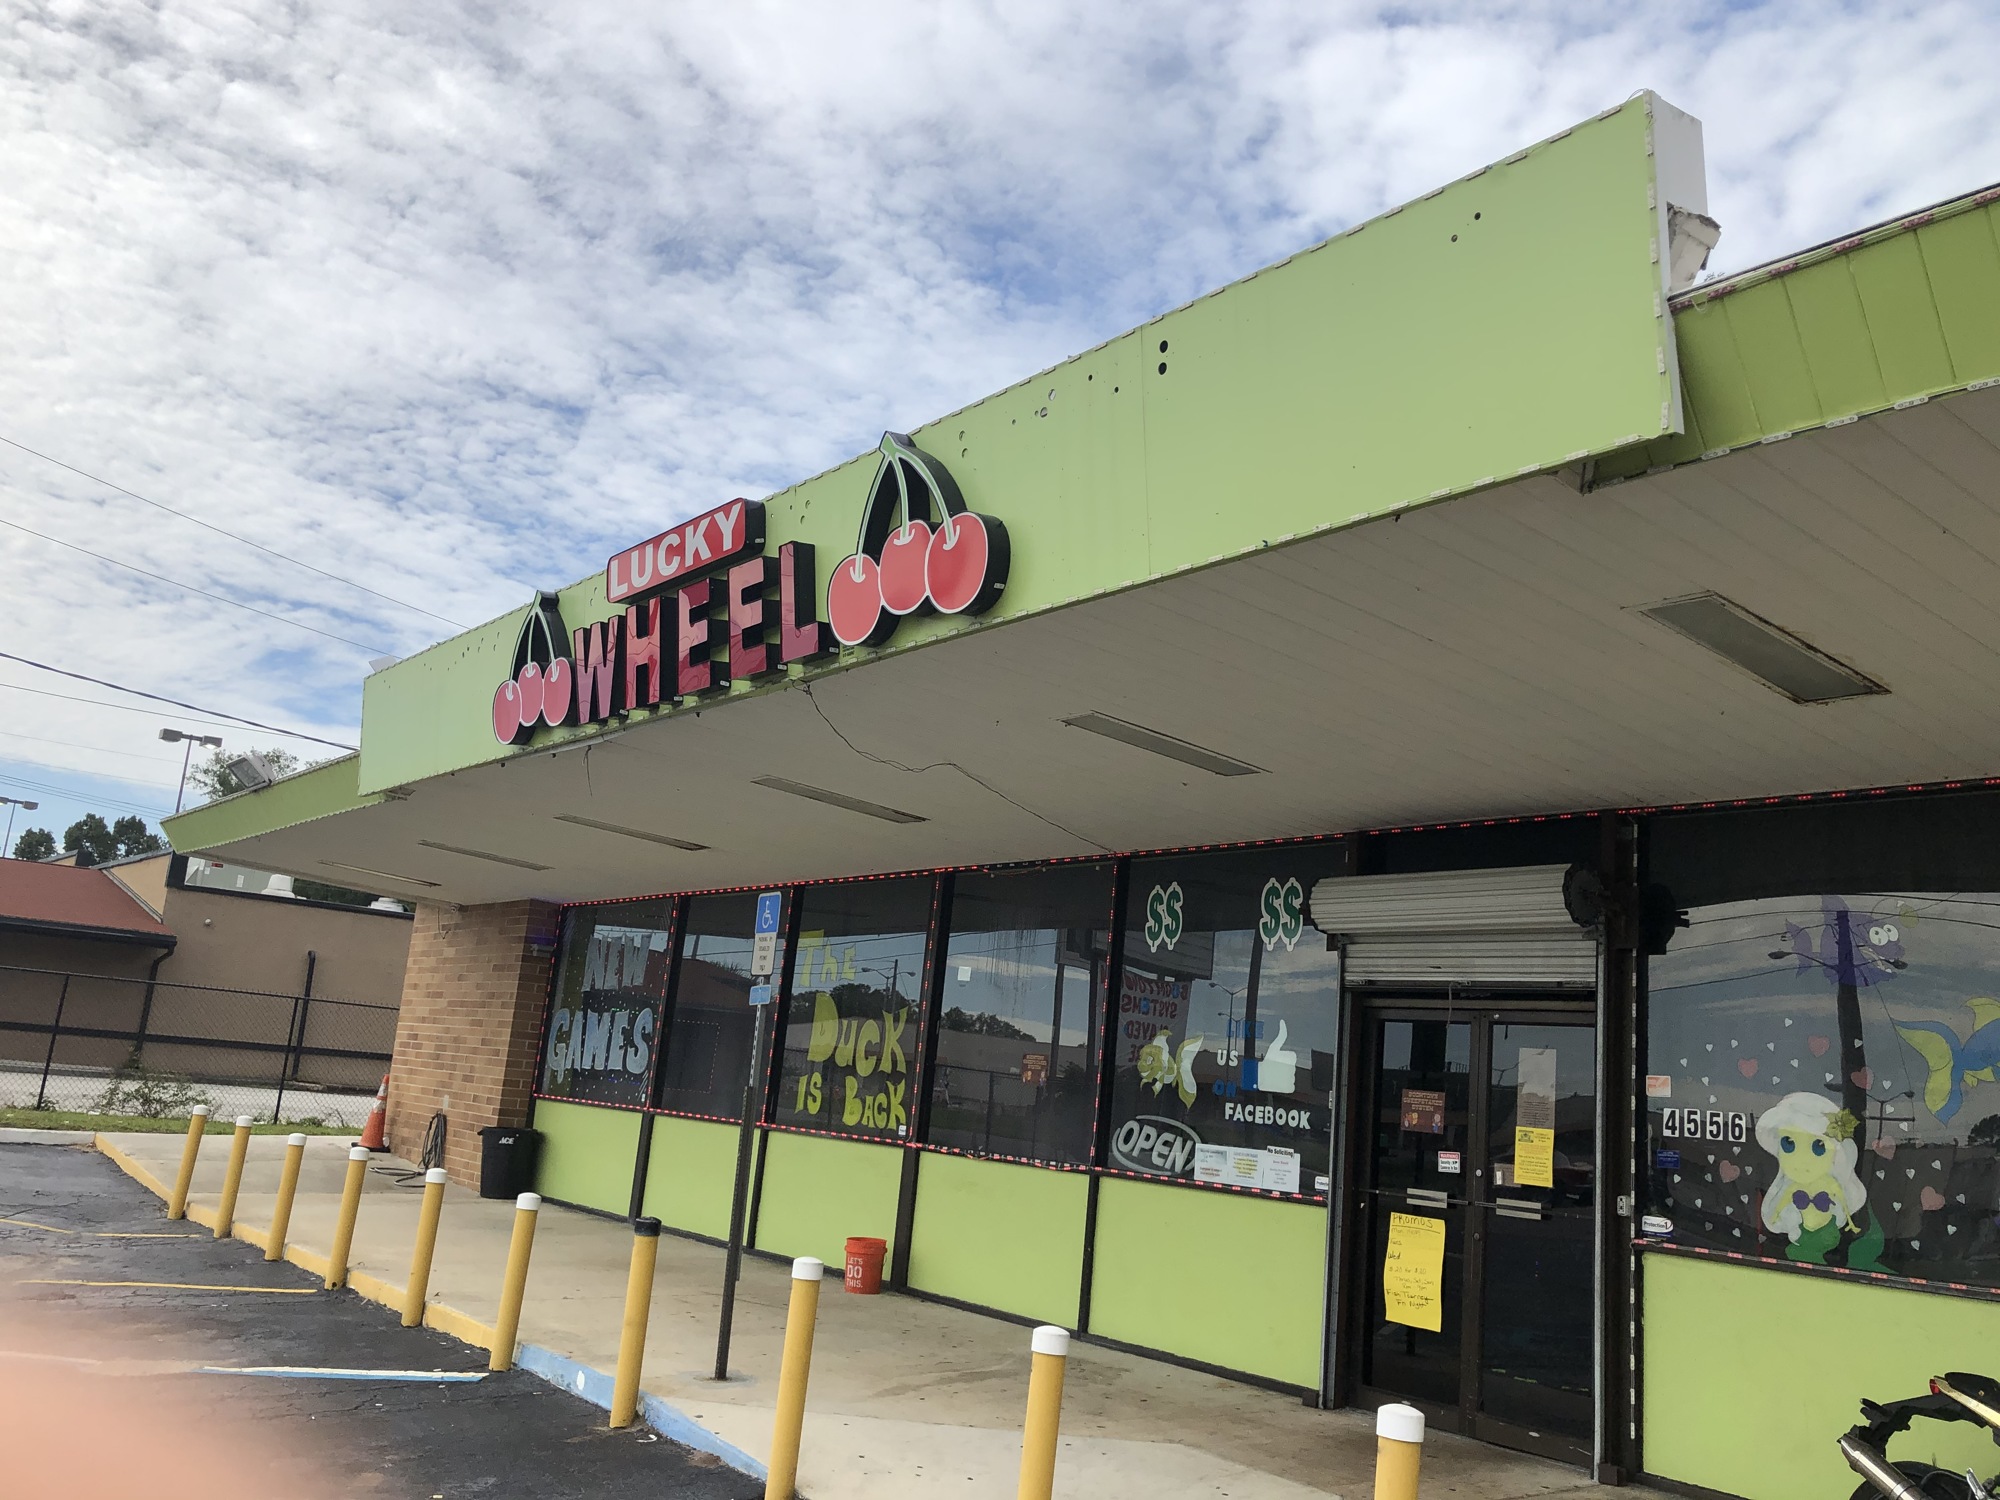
(1478, 1138)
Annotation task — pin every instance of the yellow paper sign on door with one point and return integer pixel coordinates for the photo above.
(1413, 1272)
(1534, 1157)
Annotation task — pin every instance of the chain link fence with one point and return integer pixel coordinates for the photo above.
(104, 1044)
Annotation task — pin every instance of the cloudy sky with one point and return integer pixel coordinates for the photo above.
(446, 300)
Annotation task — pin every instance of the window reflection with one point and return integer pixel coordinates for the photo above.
(709, 1034)
(1020, 999)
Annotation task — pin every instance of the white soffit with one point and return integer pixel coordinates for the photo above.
(1478, 658)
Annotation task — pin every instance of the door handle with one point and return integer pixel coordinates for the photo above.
(1428, 1197)
(1518, 1208)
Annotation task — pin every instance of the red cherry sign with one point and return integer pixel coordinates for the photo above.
(919, 550)
(542, 689)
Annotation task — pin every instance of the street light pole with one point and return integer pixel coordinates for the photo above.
(12, 803)
(173, 736)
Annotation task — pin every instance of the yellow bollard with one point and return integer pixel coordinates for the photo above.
(638, 1307)
(1038, 1435)
(177, 1206)
(527, 1208)
(783, 1474)
(288, 1187)
(239, 1152)
(1399, 1451)
(350, 1206)
(427, 1240)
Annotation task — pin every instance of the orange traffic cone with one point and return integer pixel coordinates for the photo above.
(373, 1134)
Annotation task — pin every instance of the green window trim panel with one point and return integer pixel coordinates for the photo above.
(1509, 323)
(691, 1175)
(1226, 1279)
(1000, 1235)
(318, 792)
(819, 1192)
(1752, 1375)
(587, 1154)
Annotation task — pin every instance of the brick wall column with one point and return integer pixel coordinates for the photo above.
(471, 1018)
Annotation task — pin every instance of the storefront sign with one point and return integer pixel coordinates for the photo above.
(1034, 1067)
(1155, 1144)
(863, 1069)
(1732, 1126)
(919, 551)
(1146, 1007)
(729, 531)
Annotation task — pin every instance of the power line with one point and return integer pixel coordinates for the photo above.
(129, 708)
(73, 796)
(119, 687)
(42, 739)
(233, 536)
(205, 593)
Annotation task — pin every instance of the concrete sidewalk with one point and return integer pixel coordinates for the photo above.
(907, 1397)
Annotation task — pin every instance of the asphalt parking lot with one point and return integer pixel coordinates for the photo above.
(125, 1338)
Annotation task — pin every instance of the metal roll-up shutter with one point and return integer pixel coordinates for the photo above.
(1508, 926)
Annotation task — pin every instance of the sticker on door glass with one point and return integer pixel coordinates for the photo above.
(1450, 1164)
(1423, 1111)
(1535, 1118)
(1659, 1085)
(1413, 1272)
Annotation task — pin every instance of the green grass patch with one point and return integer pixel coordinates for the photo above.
(69, 1119)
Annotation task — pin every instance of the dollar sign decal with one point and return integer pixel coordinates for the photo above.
(1291, 912)
(1163, 917)
(1271, 912)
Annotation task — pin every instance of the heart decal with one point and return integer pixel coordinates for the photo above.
(1729, 1171)
(1883, 1147)
(1817, 1045)
(1931, 1198)
(1862, 1077)
(1747, 1067)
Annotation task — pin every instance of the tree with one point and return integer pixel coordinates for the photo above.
(214, 777)
(90, 839)
(36, 843)
(133, 837)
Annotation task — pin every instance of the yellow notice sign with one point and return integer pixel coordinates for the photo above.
(1413, 1272)
(1534, 1157)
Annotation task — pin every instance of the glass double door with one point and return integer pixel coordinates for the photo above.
(1477, 1210)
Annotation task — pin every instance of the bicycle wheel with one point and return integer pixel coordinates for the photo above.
(1936, 1483)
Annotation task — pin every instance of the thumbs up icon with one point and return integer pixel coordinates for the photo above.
(1278, 1072)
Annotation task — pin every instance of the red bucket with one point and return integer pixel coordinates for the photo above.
(864, 1265)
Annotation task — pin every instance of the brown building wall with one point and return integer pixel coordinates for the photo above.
(90, 1002)
(473, 993)
(261, 942)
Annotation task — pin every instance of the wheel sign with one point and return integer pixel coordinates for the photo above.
(764, 943)
(941, 558)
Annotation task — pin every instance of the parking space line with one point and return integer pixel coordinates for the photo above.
(174, 1286)
(325, 1372)
(103, 1234)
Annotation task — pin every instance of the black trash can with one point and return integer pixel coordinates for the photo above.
(508, 1156)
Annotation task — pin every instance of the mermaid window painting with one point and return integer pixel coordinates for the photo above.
(1856, 1037)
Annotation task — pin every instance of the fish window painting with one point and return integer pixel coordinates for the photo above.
(1824, 1083)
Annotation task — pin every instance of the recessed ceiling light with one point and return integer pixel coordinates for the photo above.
(1141, 738)
(630, 833)
(334, 864)
(839, 799)
(498, 859)
(1774, 656)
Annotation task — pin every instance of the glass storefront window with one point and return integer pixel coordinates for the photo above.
(1820, 1082)
(611, 982)
(707, 1057)
(1019, 1008)
(850, 1052)
(1227, 1019)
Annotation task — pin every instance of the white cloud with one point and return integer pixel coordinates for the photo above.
(451, 299)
